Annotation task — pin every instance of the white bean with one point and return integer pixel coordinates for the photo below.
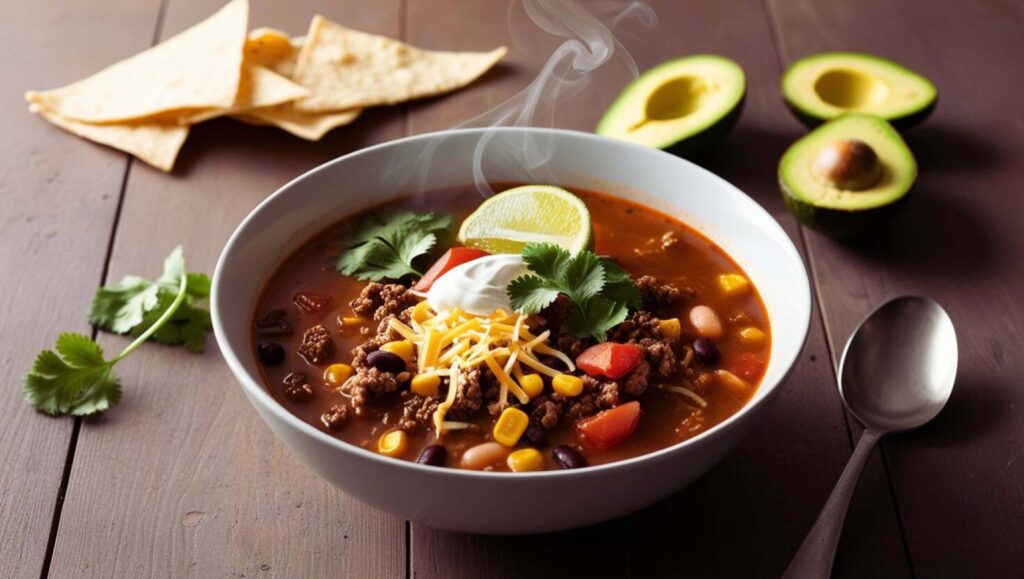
(484, 455)
(706, 321)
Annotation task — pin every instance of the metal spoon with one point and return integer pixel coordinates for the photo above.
(897, 373)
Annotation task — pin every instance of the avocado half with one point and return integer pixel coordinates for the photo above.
(824, 86)
(841, 213)
(681, 106)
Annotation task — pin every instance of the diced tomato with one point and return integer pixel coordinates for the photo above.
(610, 360)
(311, 302)
(451, 258)
(747, 366)
(611, 426)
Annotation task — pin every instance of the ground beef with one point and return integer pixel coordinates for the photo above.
(384, 327)
(382, 300)
(554, 315)
(639, 326)
(417, 411)
(316, 345)
(656, 295)
(581, 406)
(635, 383)
(360, 352)
(334, 418)
(367, 383)
(571, 345)
(470, 397)
(661, 356)
(296, 387)
(273, 323)
(547, 410)
(607, 393)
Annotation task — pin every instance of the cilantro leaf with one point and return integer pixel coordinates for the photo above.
(531, 293)
(134, 304)
(595, 317)
(385, 244)
(601, 292)
(77, 379)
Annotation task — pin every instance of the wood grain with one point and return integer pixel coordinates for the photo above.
(958, 481)
(59, 199)
(182, 478)
(766, 495)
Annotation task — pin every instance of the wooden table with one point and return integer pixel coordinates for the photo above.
(182, 478)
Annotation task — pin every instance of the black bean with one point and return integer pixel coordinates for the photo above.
(568, 457)
(706, 352)
(535, 435)
(270, 353)
(273, 323)
(434, 455)
(299, 392)
(386, 361)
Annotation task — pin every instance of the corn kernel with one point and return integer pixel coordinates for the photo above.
(730, 380)
(752, 335)
(532, 384)
(526, 460)
(733, 284)
(393, 443)
(510, 426)
(670, 328)
(425, 384)
(567, 385)
(336, 374)
(421, 312)
(402, 348)
(353, 321)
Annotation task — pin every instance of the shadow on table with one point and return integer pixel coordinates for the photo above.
(939, 148)
(934, 237)
(974, 411)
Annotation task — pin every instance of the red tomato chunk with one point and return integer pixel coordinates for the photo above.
(747, 366)
(610, 360)
(453, 257)
(611, 426)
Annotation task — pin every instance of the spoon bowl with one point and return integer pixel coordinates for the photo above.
(898, 369)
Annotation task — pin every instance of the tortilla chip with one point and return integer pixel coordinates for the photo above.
(198, 68)
(278, 59)
(266, 45)
(346, 69)
(260, 87)
(156, 144)
(309, 126)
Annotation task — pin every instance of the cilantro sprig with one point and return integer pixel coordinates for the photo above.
(77, 379)
(385, 244)
(601, 292)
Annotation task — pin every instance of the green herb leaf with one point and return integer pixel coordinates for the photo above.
(133, 304)
(77, 379)
(385, 244)
(601, 291)
(594, 317)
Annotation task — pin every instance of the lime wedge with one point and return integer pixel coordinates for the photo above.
(508, 221)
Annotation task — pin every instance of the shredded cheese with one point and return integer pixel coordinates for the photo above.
(449, 344)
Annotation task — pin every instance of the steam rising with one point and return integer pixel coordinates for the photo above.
(590, 43)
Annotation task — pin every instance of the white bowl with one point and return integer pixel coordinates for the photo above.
(478, 501)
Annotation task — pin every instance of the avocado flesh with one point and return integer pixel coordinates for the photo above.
(839, 212)
(683, 105)
(824, 86)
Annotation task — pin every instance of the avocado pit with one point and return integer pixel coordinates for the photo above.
(849, 164)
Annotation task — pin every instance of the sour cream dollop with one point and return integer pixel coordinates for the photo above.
(478, 286)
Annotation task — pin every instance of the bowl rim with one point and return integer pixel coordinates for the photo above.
(256, 391)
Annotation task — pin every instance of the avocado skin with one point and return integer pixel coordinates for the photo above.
(839, 224)
(901, 123)
(697, 144)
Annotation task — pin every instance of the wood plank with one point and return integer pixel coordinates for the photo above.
(183, 478)
(59, 195)
(960, 242)
(765, 496)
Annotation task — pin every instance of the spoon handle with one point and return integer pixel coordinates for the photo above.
(814, 559)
